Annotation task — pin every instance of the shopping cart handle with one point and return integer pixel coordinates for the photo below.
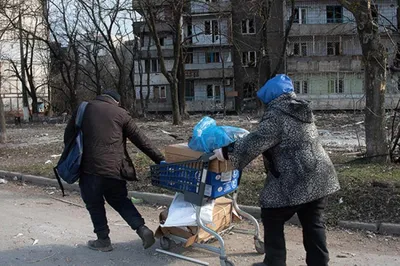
(206, 157)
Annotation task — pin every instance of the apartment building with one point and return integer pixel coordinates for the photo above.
(10, 57)
(324, 56)
(208, 62)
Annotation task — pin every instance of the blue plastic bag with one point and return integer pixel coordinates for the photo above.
(207, 136)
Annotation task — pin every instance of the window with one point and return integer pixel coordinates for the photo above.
(300, 49)
(147, 66)
(248, 26)
(333, 48)
(160, 92)
(215, 31)
(334, 14)
(249, 89)
(214, 92)
(249, 59)
(300, 87)
(336, 86)
(300, 15)
(213, 57)
(207, 27)
(188, 57)
(155, 65)
(161, 41)
(189, 90)
(211, 27)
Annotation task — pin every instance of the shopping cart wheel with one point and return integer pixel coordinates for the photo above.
(165, 243)
(259, 246)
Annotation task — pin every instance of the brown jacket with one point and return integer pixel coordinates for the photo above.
(105, 125)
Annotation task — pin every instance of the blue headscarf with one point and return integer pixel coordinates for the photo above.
(274, 88)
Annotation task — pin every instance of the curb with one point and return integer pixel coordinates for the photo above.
(163, 199)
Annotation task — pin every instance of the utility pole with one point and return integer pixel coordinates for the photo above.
(23, 68)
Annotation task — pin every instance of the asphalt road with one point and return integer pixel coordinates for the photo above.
(36, 229)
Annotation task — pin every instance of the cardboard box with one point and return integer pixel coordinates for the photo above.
(181, 152)
(221, 184)
(222, 219)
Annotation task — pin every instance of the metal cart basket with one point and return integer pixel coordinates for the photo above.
(189, 178)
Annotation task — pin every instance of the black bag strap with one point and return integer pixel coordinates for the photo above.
(59, 181)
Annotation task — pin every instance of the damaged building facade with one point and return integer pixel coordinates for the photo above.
(324, 56)
(226, 59)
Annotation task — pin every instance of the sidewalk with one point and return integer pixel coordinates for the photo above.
(59, 232)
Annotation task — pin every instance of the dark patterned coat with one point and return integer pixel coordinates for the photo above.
(299, 169)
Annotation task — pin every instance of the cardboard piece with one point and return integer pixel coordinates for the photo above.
(222, 218)
(181, 152)
(221, 184)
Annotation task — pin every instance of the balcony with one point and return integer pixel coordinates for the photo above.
(204, 8)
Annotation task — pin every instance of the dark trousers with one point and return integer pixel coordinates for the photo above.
(314, 238)
(94, 189)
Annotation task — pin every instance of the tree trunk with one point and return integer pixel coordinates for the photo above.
(176, 117)
(182, 84)
(3, 137)
(375, 61)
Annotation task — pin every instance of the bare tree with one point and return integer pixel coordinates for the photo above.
(106, 18)
(3, 130)
(375, 61)
(150, 10)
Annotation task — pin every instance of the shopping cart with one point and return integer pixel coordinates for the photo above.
(189, 178)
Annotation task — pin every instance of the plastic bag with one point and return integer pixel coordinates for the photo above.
(183, 213)
(207, 136)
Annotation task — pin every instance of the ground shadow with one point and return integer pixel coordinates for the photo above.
(128, 253)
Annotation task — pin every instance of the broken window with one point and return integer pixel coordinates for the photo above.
(161, 41)
(300, 49)
(155, 65)
(249, 59)
(214, 92)
(189, 90)
(333, 48)
(300, 15)
(160, 92)
(188, 57)
(207, 27)
(334, 14)
(147, 66)
(248, 26)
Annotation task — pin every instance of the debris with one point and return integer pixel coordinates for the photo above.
(346, 255)
(3, 181)
(19, 234)
(48, 162)
(55, 156)
(68, 202)
(171, 135)
(35, 241)
(136, 201)
(340, 200)
(15, 178)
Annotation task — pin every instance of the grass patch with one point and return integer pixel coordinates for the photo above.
(39, 169)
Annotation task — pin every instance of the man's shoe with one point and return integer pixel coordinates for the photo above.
(103, 245)
(147, 236)
(259, 264)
